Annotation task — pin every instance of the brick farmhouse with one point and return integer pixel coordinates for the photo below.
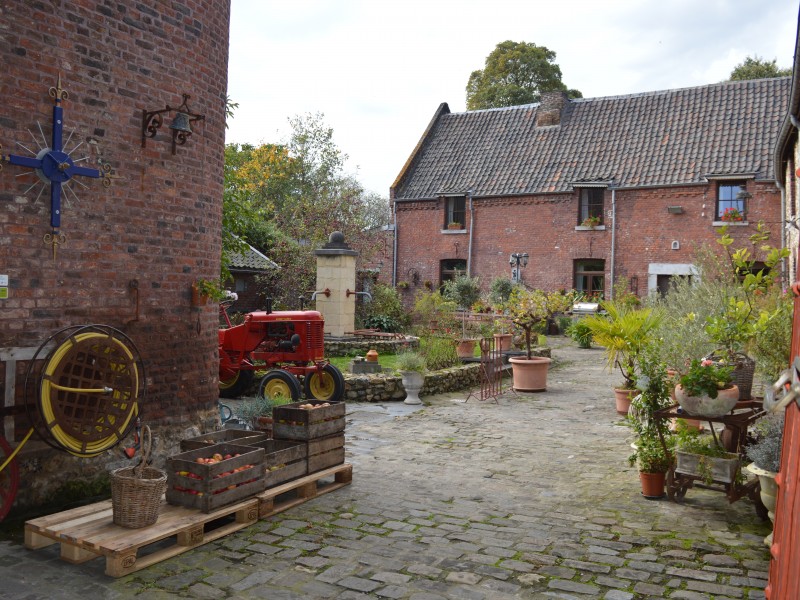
(593, 189)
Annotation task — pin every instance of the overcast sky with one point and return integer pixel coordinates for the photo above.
(378, 69)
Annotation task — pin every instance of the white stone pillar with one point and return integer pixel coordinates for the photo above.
(336, 271)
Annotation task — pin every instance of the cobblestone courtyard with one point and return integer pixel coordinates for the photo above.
(529, 497)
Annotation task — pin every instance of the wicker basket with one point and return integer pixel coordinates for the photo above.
(136, 492)
(744, 368)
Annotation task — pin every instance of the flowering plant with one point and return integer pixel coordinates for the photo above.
(592, 221)
(705, 377)
(732, 214)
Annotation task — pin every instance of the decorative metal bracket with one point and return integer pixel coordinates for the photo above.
(181, 124)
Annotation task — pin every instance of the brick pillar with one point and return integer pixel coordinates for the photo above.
(336, 271)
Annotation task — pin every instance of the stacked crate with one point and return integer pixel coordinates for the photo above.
(210, 485)
(319, 426)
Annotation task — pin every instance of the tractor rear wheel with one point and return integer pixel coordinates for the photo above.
(236, 385)
(278, 383)
(326, 384)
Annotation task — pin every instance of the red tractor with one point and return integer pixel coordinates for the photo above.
(288, 344)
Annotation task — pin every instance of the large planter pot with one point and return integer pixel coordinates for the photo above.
(706, 406)
(466, 348)
(652, 484)
(622, 399)
(769, 492)
(412, 383)
(529, 374)
(708, 468)
(502, 341)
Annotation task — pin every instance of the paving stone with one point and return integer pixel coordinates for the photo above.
(715, 589)
(572, 586)
(463, 577)
(617, 595)
(359, 584)
(391, 577)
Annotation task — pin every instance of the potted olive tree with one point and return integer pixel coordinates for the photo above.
(464, 292)
(624, 331)
(529, 310)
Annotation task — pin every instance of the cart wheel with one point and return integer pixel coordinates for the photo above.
(278, 383)
(326, 385)
(236, 385)
(9, 479)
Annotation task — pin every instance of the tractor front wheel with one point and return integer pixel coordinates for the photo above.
(327, 384)
(279, 384)
(237, 385)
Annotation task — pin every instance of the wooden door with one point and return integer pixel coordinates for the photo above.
(784, 580)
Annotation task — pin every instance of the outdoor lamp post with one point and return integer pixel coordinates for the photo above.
(516, 261)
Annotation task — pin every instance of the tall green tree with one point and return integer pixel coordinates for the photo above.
(515, 73)
(758, 68)
(286, 199)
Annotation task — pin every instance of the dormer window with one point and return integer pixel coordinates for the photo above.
(590, 206)
(731, 201)
(455, 213)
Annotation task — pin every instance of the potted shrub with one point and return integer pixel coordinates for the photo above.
(765, 453)
(411, 366)
(743, 318)
(624, 331)
(529, 309)
(464, 292)
(204, 290)
(653, 448)
(581, 333)
(706, 389)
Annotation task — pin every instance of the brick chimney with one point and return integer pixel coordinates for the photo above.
(550, 107)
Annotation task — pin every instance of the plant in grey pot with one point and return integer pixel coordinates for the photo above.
(411, 366)
(765, 453)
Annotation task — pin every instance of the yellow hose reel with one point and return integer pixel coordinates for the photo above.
(87, 390)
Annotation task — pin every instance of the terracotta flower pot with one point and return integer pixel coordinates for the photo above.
(706, 406)
(466, 348)
(502, 341)
(652, 484)
(530, 375)
(623, 399)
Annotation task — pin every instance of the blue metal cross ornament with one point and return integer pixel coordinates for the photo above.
(55, 166)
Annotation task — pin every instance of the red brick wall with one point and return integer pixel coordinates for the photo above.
(544, 227)
(159, 222)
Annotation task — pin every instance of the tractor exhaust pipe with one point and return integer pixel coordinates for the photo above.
(268, 305)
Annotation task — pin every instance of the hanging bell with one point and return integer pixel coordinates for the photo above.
(181, 123)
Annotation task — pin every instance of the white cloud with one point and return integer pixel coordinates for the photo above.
(379, 69)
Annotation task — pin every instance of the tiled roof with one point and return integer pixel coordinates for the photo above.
(251, 260)
(652, 139)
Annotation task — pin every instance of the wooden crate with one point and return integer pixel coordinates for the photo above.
(295, 423)
(240, 437)
(719, 469)
(284, 460)
(208, 487)
(88, 532)
(325, 452)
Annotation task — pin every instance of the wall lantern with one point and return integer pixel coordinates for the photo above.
(180, 126)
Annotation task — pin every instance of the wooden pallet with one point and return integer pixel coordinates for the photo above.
(88, 532)
(292, 493)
